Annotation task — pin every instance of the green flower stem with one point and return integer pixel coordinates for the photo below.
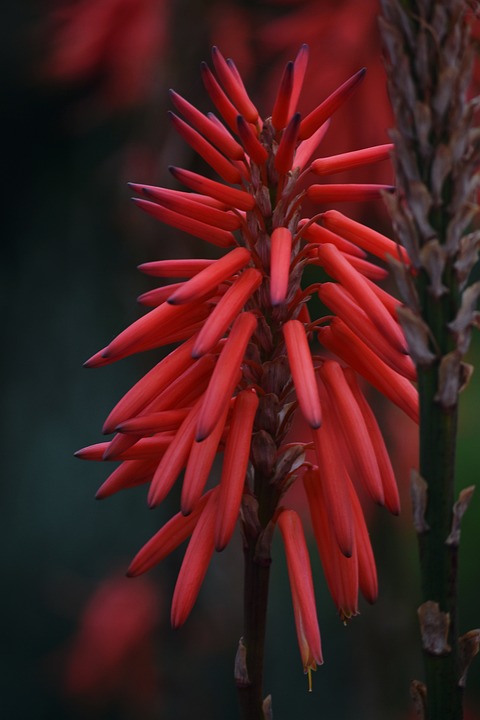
(438, 560)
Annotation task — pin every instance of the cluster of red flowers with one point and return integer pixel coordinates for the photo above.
(245, 364)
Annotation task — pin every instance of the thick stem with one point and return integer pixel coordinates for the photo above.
(438, 561)
(250, 689)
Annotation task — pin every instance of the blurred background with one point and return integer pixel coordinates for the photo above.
(84, 100)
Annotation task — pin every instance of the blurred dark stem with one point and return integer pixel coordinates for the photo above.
(256, 579)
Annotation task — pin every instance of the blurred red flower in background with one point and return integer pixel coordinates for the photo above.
(112, 658)
(114, 45)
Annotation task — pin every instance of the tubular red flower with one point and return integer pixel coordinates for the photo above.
(281, 250)
(341, 573)
(234, 86)
(167, 539)
(299, 69)
(301, 584)
(224, 376)
(195, 563)
(312, 232)
(235, 462)
(209, 233)
(216, 160)
(368, 239)
(281, 108)
(301, 365)
(223, 141)
(286, 149)
(252, 145)
(174, 459)
(340, 269)
(343, 305)
(200, 461)
(335, 485)
(174, 268)
(344, 343)
(231, 196)
(346, 161)
(321, 113)
(226, 108)
(226, 310)
(197, 209)
(208, 279)
(390, 490)
(354, 428)
(150, 385)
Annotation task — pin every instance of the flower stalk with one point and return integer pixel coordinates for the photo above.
(436, 151)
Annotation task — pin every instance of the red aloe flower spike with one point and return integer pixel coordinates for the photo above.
(154, 329)
(321, 113)
(390, 490)
(354, 429)
(230, 196)
(223, 140)
(129, 474)
(235, 462)
(370, 240)
(150, 385)
(187, 204)
(340, 269)
(307, 147)
(337, 299)
(253, 146)
(174, 268)
(286, 149)
(335, 484)
(216, 160)
(303, 374)
(312, 232)
(339, 339)
(341, 573)
(195, 563)
(226, 310)
(153, 423)
(167, 539)
(231, 81)
(174, 459)
(226, 109)
(367, 571)
(301, 584)
(346, 161)
(224, 376)
(209, 233)
(346, 192)
(209, 278)
(280, 254)
(299, 69)
(281, 108)
(199, 464)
